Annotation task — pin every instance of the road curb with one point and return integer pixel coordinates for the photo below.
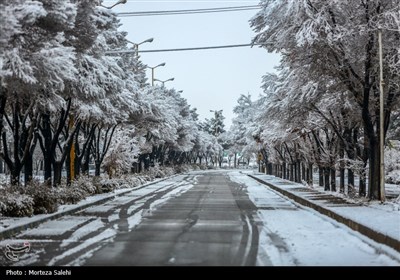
(371, 233)
(10, 232)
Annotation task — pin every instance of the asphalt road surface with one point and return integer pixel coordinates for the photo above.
(203, 218)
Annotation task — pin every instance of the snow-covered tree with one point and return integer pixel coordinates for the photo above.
(123, 152)
(326, 51)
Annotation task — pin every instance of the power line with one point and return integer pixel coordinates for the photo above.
(183, 49)
(197, 48)
(188, 12)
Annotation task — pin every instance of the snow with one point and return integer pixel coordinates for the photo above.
(300, 237)
(133, 208)
(383, 218)
(293, 234)
(83, 231)
(113, 217)
(56, 227)
(182, 188)
(105, 235)
(7, 223)
(135, 219)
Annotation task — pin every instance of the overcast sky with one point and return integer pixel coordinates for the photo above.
(210, 79)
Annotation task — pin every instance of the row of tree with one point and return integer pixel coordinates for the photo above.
(321, 108)
(65, 102)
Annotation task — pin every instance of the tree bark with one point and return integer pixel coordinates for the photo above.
(326, 179)
(97, 165)
(28, 169)
(57, 166)
(362, 191)
(350, 179)
(45, 144)
(320, 176)
(341, 170)
(310, 179)
(374, 171)
(291, 175)
(284, 170)
(333, 179)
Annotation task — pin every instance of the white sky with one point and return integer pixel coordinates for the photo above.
(210, 79)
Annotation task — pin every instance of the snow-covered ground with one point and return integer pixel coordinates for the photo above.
(88, 229)
(292, 237)
(392, 190)
(288, 234)
(7, 223)
(381, 217)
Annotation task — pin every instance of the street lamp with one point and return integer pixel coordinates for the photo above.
(163, 82)
(136, 45)
(152, 71)
(119, 2)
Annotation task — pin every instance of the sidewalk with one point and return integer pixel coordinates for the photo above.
(11, 226)
(380, 222)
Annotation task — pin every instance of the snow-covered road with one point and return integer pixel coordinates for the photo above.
(204, 218)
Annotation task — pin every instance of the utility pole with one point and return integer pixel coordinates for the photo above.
(381, 120)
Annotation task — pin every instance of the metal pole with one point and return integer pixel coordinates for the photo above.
(152, 76)
(381, 120)
(137, 51)
(72, 151)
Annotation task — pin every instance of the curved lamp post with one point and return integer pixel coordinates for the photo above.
(163, 82)
(152, 71)
(136, 45)
(118, 3)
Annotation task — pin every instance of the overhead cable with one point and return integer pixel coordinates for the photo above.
(191, 11)
(182, 49)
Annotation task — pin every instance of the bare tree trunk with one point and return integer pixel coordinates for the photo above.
(326, 179)
(45, 145)
(284, 170)
(374, 171)
(28, 169)
(303, 172)
(320, 176)
(97, 165)
(291, 176)
(57, 165)
(333, 179)
(362, 191)
(310, 174)
(341, 170)
(350, 179)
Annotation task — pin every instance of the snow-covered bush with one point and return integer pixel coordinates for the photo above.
(14, 204)
(393, 177)
(181, 168)
(45, 198)
(195, 167)
(156, 172)
(86, 185)
(107, 185)
(392, 165)
(71, 195)
(133, 181)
